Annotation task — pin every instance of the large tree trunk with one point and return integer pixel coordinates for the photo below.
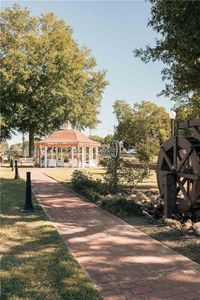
(31, 142)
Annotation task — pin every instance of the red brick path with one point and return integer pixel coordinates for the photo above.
(123, 262)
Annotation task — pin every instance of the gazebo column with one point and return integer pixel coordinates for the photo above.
(83, 157)
(40, 156)
(56, 154)
(72, 153)
(96, 152)
(61, 157)
(90, 155)
(78, 155)
(45, 156)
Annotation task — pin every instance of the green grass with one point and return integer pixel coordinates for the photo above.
(36, 263)
(63, 175)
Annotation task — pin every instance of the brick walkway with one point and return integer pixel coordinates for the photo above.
(122, 261)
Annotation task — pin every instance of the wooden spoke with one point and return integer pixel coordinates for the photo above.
(182, 182)
(187, 197)
(184, 159)
(188, 176)
(196, 131)
(167, 159)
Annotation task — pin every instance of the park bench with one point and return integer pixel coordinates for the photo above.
(26, 160)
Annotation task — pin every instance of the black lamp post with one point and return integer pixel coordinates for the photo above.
(172, 115)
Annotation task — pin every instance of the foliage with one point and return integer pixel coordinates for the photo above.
(144, 126)
(130, 176)
(3, 146)
(46, 77)
(87, 186)
(146, 151)
(103, 140)
(35, 262)
(20, 149)
(112, 176)
(178, 26)
(120, 173)
(91, 194)
(120, 206)
(187, 111)
(5, 128)
(93, 191)
(96, 138)
(108, 139)
(81, 180)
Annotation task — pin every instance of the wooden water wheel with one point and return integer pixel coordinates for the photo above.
(181, 157)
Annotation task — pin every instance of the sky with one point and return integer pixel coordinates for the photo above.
(112, 29)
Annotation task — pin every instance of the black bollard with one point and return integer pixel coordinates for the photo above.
(11, 164)
(28, 205)
(16, 170)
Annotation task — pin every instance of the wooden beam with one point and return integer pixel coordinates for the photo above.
(196, 132)
(183, 190)
(167, 158)
(188, 176)
(189, 124)
(169, 194)
(183, 182)
(184, 159)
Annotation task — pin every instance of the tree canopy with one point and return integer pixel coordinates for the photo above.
(144, 125)
(46, 77)
(143, 119)
(97, 138)
(178, 46)
(190, 110)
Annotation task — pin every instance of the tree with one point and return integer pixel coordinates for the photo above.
(178, 25)
(190, 110)
(108, 139)
(97, 138)
(4, 147)
(46, 77)
(120, 173)
(145, 119)
(16, 149)
(5, 128)
(145, 126)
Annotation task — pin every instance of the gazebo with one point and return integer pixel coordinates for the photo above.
(67, 147)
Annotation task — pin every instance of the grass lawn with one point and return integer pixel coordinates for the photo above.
(36, 263)
(64, 175)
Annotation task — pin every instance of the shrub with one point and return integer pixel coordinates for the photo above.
(121, 173)
(91, 195)
(87, 186)
(81, 181)
(120, 206)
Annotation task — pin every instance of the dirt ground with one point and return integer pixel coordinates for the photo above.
(184, 242)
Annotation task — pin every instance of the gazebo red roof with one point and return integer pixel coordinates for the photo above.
(68, 137)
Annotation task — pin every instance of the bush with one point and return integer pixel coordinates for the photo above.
(121, 173)
(120, 206)
(81, 181)
(87, 186)
(91, 195)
